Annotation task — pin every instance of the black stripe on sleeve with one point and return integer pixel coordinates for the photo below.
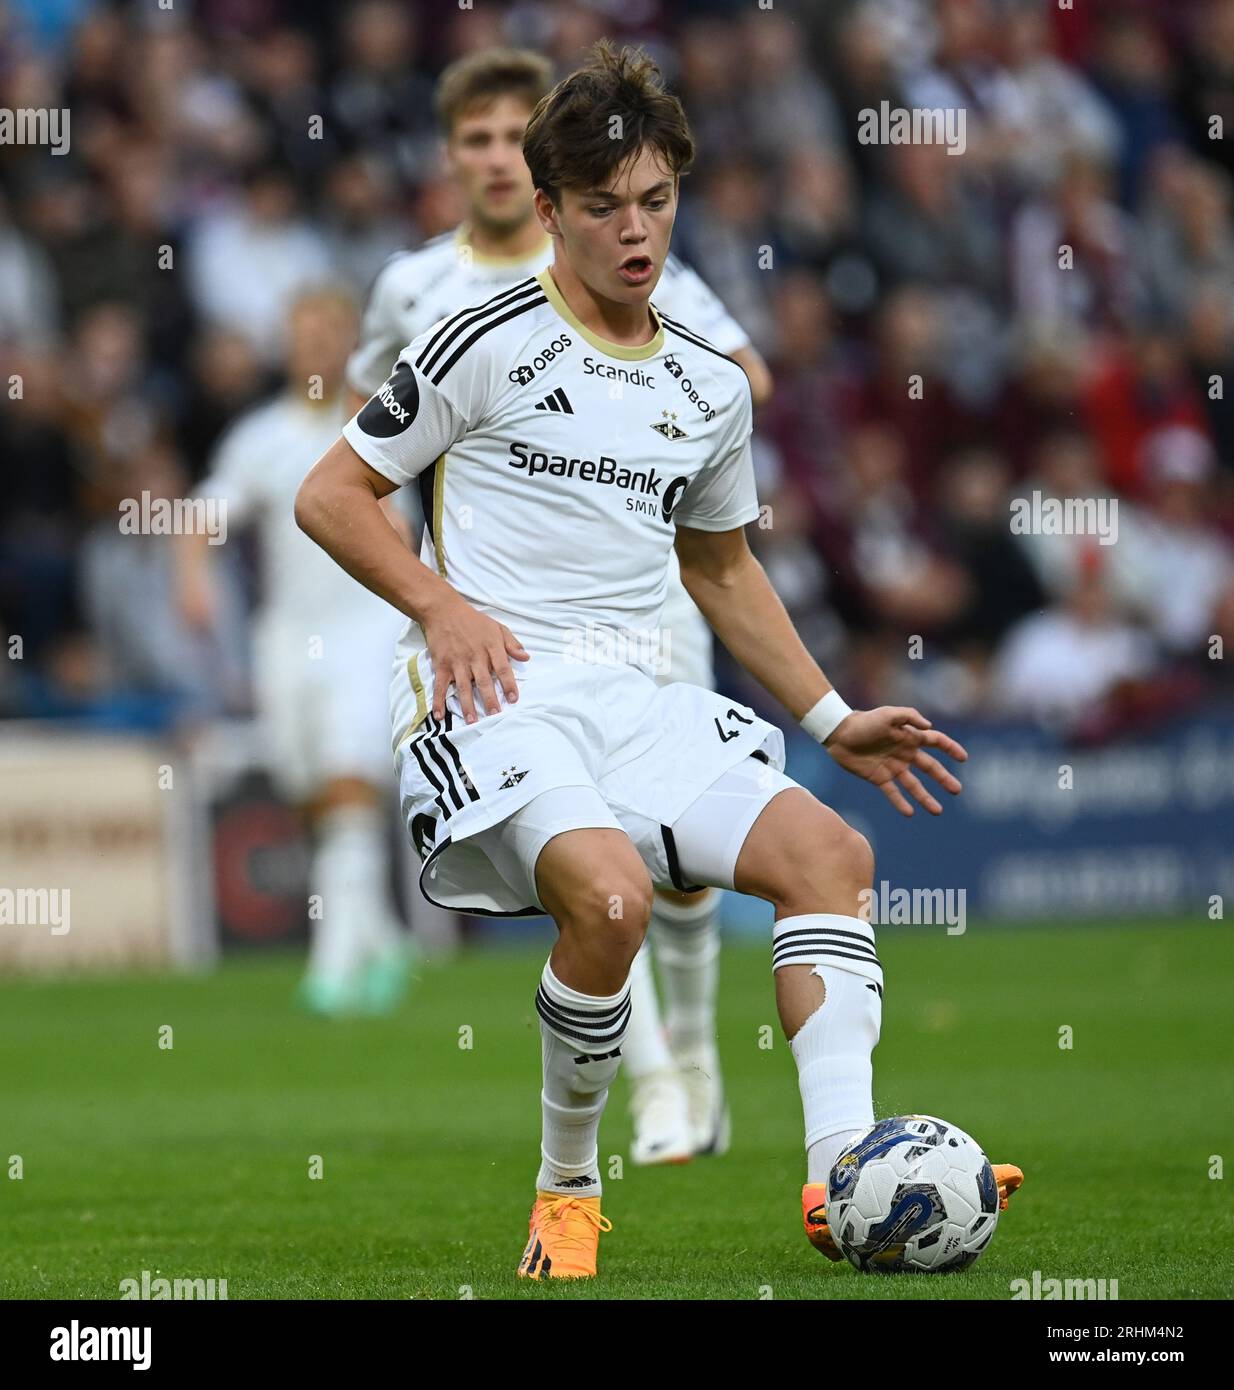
(426, 482)
(463, 320)
(484, 328)
(683, 332)
(445, 326)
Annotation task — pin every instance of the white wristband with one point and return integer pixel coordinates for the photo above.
(823, 720)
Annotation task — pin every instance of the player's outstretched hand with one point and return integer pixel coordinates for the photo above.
(884, 745)
(469, 649)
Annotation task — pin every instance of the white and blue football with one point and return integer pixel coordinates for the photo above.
(912, 1194)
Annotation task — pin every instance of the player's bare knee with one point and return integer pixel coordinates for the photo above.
(616, 903)
(858, 855)
(627, 904)
(824, 869)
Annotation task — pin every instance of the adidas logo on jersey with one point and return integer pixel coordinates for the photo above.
(557, 401)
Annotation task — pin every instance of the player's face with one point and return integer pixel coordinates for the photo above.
(616, 237)
(485, 150)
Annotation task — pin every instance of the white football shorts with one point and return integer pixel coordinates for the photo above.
(643, 751)
(685, 640)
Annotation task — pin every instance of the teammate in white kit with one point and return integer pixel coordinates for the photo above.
(320, 642)
(484, 101)
(579, 784)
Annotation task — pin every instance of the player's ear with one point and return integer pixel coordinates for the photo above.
(546, 211)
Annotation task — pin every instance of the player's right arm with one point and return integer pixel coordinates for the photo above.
(397, 435)
(381, 338)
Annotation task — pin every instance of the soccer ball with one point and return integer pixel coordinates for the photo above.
(912, 1194)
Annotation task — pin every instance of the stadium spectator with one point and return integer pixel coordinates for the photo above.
(248, 259)
(1058, 666)
(1175, 563)
(129, 595)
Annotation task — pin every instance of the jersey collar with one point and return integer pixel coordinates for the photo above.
(618, 350)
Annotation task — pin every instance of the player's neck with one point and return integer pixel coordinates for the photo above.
(628, 325)
(504, 243)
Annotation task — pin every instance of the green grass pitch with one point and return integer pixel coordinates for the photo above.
(194, 1161)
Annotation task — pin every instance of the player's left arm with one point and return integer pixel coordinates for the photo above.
(884, 745)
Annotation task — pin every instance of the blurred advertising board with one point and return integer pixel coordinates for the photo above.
(1137, 826)
(100, 863)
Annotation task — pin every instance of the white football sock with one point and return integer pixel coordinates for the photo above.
(833, 1047)
(645, 1049)
(686, 940)
(350, 874)
(581, 1037)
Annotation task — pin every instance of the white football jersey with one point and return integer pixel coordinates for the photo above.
(554, 466)
(258, 468)
(416, 289)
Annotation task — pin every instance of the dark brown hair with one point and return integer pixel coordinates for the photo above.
(482, 77)
(599, 117)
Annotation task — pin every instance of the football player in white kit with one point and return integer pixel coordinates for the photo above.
(320, 642)
(533, 779)
(483, 104)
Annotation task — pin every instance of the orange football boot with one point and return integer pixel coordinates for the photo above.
(814, 1207)
(1008, 1177)
(562, 1237)
(814, 1214)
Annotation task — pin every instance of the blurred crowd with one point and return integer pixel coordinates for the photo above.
(1049, 314)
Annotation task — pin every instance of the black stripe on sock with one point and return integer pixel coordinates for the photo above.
(823, 939)
(779, 937)
(584, 1018)
(809, 956)
(571, 1030)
